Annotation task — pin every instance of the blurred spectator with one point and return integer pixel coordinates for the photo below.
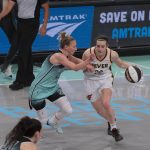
(8, 25)
(24, 135)
(27, 29)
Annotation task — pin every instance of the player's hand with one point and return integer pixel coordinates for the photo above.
(92, 57)
(89, 59)
(89, 68)
(42, 30)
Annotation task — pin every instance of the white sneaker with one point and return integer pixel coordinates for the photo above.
(42, 116)
(55, 126)
(8, 72)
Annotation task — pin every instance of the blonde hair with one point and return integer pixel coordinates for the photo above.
(65, 39)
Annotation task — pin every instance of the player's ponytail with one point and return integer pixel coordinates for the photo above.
(25, 127)
(65, 39)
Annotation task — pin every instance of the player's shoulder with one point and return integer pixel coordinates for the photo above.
(28, 145)
(57, 58)
(58, 55)
(114, 55)
(89, 50)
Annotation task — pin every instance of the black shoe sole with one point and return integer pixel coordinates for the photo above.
(109, 132)
(116, 135)
(117, 140)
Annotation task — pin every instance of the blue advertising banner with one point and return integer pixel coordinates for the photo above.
(76, 21)
(4, 44)
(125, 25)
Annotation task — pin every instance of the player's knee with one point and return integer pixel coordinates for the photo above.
(38, 105)
(68, 110)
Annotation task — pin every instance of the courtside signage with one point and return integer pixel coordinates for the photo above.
(75, 21)
(126, 25)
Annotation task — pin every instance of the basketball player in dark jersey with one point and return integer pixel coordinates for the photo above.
(99, 82)
(24, 135)
(45, 85)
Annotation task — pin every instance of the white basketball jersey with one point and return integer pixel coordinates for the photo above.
(102, 68)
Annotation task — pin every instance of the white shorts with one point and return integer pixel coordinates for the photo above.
(94, 87)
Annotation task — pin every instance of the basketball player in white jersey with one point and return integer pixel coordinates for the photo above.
(99, 82)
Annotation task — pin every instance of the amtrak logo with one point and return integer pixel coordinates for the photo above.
(55, 28)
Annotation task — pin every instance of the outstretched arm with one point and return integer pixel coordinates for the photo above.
(116, 59)
(75, 59)
(46, 14)
(86, 54)
(63, 60)
(7, 9)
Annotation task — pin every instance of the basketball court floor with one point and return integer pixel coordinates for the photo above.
(84, 129)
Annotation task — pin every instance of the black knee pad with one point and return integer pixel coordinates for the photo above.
(38, 105)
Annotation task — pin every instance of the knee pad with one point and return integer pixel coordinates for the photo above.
(64, 105)
(38, 105)
(67, 110)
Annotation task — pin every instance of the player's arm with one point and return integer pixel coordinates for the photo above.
(116, 59)
(7, 9)
(46, 15)
(89, 67)
(63, 60)
(75, 59)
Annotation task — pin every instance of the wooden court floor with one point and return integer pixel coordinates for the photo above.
(84, 129)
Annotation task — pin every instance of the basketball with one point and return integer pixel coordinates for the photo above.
(133, 74)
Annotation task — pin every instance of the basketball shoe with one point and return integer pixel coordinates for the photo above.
(55, 126)
(117, 136)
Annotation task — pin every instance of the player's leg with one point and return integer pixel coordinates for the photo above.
(99, 108)
(97, 105)
(39, 106)
(106, 97)
(65, 109)
(94, 96)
